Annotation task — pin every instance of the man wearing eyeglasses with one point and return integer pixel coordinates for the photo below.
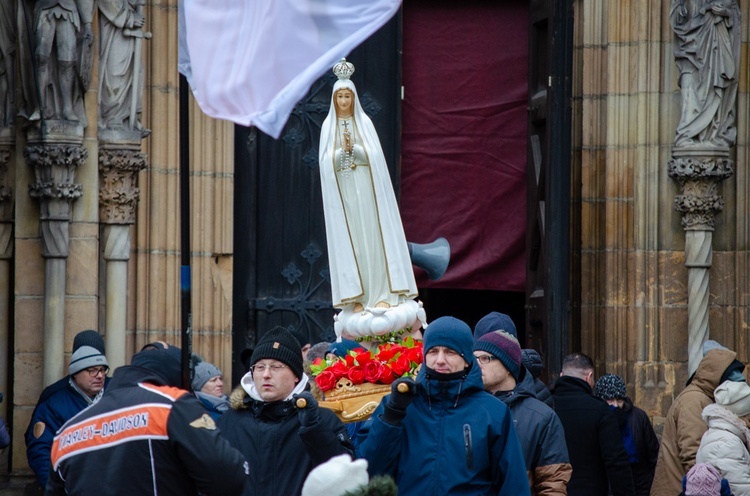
(58, 403)
(538, 427)
(281, 437)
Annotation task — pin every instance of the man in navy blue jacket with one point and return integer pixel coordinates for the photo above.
(59, 402)
(444, 434)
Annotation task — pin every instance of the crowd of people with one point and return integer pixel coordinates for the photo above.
(474, 420)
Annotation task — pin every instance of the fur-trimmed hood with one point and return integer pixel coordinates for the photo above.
(718, 417)
(237, 398)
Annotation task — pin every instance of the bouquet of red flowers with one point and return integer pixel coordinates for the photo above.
(380, 365)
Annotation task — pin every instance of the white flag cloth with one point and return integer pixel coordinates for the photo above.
(253, 60)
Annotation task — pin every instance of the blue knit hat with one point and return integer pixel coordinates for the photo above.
(341, 348)
(505, 347)
(451, 333)
(495, 321)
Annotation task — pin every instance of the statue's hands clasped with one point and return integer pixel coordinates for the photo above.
(717, 8)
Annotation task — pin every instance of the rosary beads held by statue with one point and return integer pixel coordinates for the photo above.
(372, 279)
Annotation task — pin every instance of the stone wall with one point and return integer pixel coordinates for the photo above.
(633, 279)
(153, 295)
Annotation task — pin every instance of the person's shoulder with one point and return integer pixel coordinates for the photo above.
(54, 388)
(485, 402)
(168, 392)
(63, 397)
(536, 407)
(639, 413)
(691, 398)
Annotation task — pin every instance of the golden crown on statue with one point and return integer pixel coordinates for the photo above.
(343, 69)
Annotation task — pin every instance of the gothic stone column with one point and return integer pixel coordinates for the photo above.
(119, 165)
(55, 154)
(699, 170)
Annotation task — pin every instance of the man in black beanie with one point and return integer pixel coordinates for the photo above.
(147, 436)
(275, 421)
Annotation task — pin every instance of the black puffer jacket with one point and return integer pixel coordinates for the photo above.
(280, 451)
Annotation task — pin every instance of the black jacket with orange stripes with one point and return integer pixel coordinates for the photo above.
(144, 437)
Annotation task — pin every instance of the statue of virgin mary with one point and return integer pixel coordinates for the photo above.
(372, 279)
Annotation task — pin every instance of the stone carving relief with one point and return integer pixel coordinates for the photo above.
(707, 54)
(120, 66)
(62, 42)
(54, 168)
(118, 191)
(699, 177)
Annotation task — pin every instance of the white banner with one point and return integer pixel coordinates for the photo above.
(251, 61)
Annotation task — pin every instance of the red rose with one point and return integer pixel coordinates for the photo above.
(339, 369)
(386, 375)
(414, 354)
(401, 365)
(372, 371)
(349, 360)
(356, 375)
(318, 361)
(325, 380)
(397, 348)
(386, 354)
(363, 357)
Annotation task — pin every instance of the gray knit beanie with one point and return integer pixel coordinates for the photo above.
(85, 357)
(203, 373)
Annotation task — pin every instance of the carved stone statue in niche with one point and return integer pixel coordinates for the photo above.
(707, 54)
(120, 65)
(7, 61)
(62, 51)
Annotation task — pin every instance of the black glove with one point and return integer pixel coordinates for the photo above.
(395, 408)
(308, 415)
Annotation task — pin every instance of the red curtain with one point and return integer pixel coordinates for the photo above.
(463, 177)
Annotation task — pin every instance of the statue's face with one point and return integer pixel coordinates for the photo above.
(344, 101)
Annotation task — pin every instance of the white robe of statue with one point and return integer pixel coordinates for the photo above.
(367, 250)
